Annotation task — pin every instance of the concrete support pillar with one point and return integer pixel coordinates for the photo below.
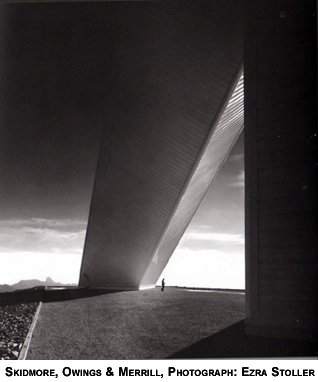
(281, 185)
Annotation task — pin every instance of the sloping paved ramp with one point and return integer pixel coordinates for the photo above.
(132, 325)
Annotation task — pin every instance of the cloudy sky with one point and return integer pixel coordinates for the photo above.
(52, 112)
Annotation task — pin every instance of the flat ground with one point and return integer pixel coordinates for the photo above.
(132, 325)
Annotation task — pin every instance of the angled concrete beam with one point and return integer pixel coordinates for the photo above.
(174, 70)
(216, 148)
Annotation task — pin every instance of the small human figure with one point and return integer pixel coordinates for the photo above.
(163, 284)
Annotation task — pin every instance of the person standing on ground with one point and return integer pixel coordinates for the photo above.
(163, 284)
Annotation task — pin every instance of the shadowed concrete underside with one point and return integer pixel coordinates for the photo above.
(175, 110)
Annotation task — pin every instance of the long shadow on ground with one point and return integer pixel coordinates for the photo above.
(233, 343)
(38, 294)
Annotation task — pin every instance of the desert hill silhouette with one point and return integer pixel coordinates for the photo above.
(26, 284)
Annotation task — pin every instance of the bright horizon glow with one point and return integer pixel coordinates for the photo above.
(205, 269)
(61, 267)
(40, 248)
(189, 266)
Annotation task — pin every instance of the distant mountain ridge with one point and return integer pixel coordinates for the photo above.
(25, 284)
(6, 288)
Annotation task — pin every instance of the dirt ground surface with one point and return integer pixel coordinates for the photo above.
(146, 324)
(15, 321)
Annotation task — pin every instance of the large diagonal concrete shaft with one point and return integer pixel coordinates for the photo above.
(175, 109)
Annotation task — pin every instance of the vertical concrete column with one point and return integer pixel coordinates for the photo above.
(280, 68)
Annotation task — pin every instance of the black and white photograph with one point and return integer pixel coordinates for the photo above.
(158, 180)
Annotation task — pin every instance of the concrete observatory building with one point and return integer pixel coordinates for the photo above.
(175, 108)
